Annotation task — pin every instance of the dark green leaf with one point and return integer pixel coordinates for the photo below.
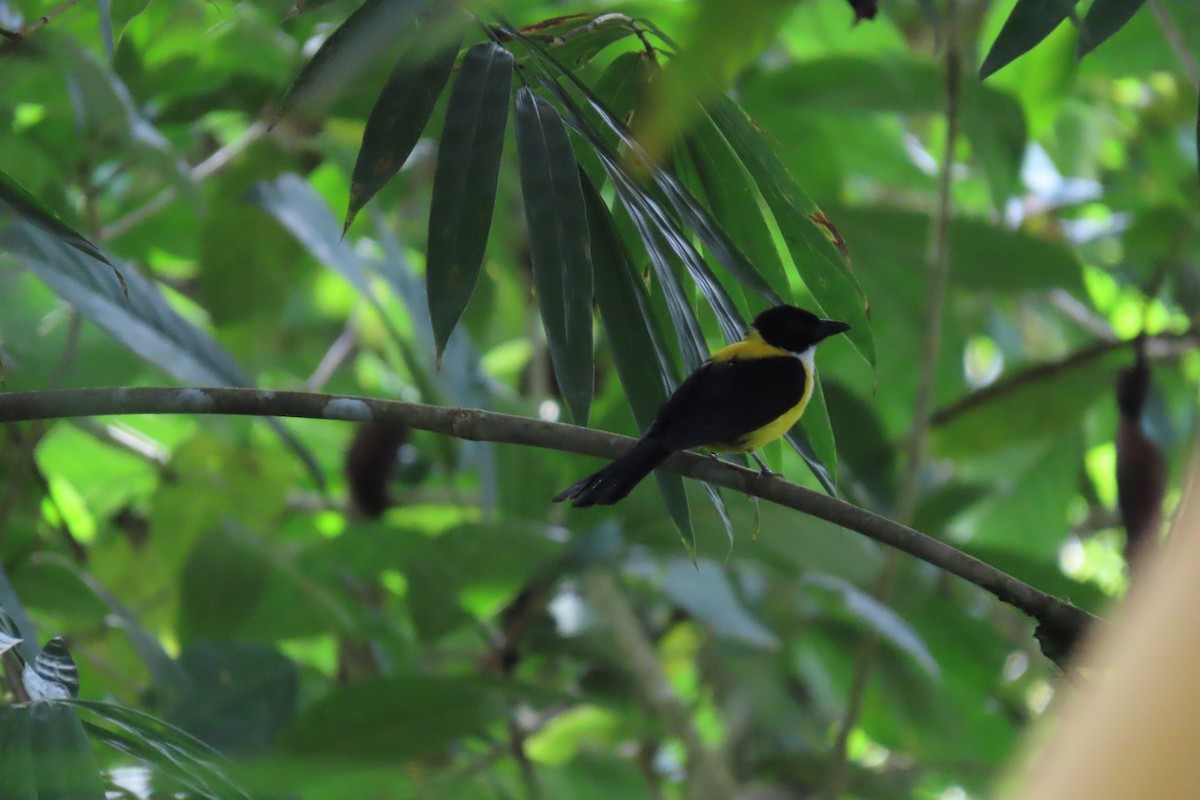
(633, 338)
(396, 718)
(17, 774)
(1103, 19)
(1029, 23)
(734, 202)
(805, 230)
(559, 247)
(397, 120)
(137, 315)
(818, 431)
(241, 695)
(576, 45)
(20, 203)
(704, 591)
(360, 40)
(464, 185)
(62, 755)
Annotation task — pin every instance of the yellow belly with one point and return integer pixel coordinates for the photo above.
(754, 347)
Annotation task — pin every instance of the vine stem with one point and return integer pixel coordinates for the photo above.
(938, 270)
(1059, 622)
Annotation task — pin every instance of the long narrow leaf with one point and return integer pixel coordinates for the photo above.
(17, 776)
(690, 211)
(62, 757)
(822, 267)
(400, 114)
(628, 322)
(464, 185)
(1103, 19)
(16, 200)
(1029, 23)
(734, 201)
(137, 316)
(558, 242)
(358, 41)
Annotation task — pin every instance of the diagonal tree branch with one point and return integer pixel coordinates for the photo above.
(1059, 623)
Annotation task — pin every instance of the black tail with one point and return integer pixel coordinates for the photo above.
(617, 479)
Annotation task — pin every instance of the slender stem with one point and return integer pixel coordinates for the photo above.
(1176, 40)
(710, 775)
(938, 270)
(16, 37)
(1059, 621)
(213, 164)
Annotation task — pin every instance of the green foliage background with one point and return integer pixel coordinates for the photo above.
(211, 571)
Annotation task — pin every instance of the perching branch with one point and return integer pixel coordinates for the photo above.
(1059, 622)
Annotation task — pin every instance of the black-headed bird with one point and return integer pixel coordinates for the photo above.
(746, 395)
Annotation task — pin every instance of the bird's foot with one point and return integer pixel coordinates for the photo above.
(763, 470)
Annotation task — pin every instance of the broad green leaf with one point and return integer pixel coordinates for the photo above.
(464, 185)
(136, 314)
(235, 585)
(17, 774)
(879, 617)
(397, 120)
(558, 245)
(633, 339)
(1048, 406)
(403, 716)
(704, 591)
(1102, 20)
(985, 257)
(358, 41)
(62, 756)
(241, 696)
(992, 120)
(16, 201)
(1029, 23)
(808, 233)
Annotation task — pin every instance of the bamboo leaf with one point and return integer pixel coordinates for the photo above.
(1029, 23)
(464, 185)
(813, 249)
(397, 120)
(358, 41)
(558, 240)
(633, 339)
(1103, 19)
(734, 201)
(17, 201)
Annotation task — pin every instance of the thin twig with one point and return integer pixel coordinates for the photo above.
(16, 37)
(1176, 40)
(1163, 345)
(214, 163)
(938, 270)
(1059, 621)
(710, 776)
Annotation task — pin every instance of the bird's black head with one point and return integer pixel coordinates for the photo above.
(794, 328)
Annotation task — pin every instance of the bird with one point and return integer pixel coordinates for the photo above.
(746, 395)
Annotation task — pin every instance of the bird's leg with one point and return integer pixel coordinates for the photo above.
(763, 470)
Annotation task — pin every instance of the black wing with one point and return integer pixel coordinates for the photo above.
(723, 401)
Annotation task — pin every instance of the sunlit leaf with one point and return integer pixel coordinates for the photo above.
(558, 244)
(464, 186)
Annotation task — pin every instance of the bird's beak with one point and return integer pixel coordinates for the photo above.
(830, 327)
